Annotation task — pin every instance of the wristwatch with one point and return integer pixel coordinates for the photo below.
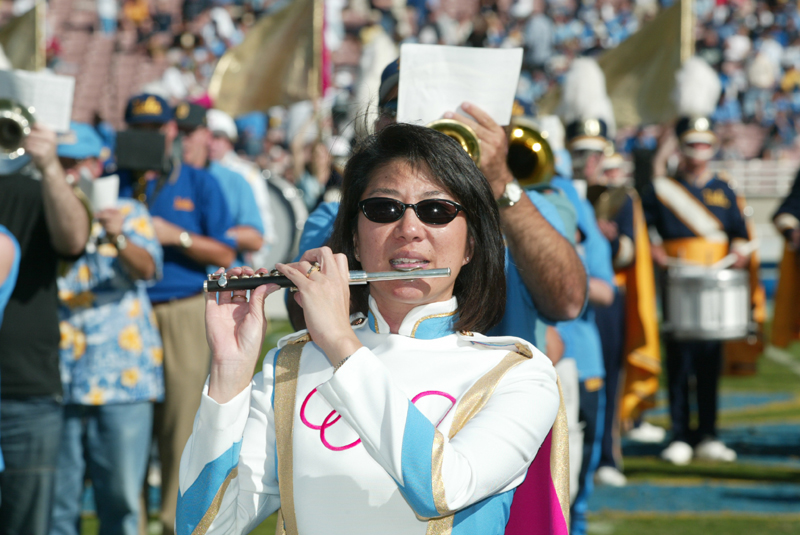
(121, 242)
(185, 239)
(511, 195)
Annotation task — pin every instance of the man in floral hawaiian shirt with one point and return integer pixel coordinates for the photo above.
(111, 357)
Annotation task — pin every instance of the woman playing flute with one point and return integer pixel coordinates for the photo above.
(402, 419)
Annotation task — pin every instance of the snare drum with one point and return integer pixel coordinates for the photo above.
(707, 304)
(289, 215)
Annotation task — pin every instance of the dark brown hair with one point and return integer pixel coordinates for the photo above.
(481, 285)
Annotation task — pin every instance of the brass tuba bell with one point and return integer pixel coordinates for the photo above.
(530, 157)
(463, 134)
(15, 125)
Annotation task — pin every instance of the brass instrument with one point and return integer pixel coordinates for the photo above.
(463, 134)
(530, 158)
(607, 200)
(15, 125)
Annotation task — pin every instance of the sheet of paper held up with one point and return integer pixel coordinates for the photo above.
(101, 192)
(435, 79)
(50, 95)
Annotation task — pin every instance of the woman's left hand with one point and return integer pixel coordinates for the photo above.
(324, 294)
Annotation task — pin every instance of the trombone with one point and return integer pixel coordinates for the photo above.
(530, 157)
(15, 125)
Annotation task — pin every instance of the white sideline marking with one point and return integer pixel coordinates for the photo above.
(783, 357)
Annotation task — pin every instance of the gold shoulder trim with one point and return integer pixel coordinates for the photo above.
(287, 367)
(479, 393)
(559, 455)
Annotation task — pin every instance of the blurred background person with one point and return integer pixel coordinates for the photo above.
(9, 269)
(589, 122)
(191, 221)
(224, 135)
(39, 207)
(111, 357)
(195, 138)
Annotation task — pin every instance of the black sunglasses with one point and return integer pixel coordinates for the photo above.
(430, 211)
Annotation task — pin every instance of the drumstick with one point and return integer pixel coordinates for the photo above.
(745, 250)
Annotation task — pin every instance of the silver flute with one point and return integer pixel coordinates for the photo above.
(220, 283)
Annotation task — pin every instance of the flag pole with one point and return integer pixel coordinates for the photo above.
(687, 29)
(315, 76)
(40, 54)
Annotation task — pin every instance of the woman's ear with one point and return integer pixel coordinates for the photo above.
(468, 254)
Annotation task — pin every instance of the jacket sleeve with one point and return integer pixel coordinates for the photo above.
(435, 474)
(228, 474)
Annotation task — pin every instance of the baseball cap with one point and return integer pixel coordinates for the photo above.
(189, 115)
(389, 80)
(220, 122)
(147, 108)
(81, 142)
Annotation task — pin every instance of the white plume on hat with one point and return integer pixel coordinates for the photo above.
(555, 131)
(697, 89)
(584, 95)
(221, 122)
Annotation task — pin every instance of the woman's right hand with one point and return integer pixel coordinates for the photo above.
(235, 329)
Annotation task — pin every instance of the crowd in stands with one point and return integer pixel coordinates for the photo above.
(754, 46)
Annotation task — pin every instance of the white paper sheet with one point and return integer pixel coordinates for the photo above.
(101, 192)
(49, 94)
(435, 79)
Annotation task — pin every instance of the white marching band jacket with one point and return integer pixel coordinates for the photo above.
(372, 449)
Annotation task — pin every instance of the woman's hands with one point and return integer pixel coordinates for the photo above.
(235, 329)
(324, 294)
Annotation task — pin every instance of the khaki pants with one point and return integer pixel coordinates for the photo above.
(186, 365)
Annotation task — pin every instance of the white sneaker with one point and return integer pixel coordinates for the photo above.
(711, 449)
(610, 476)
(679, 453)
(647, 432)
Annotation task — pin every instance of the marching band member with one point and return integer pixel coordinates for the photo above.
(191, 220)
(586, 112)
(697, 216)
(360, 425)
(629, 327)
(553, 282)
(786, 320)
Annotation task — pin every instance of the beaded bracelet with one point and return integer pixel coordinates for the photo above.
(336, 368)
